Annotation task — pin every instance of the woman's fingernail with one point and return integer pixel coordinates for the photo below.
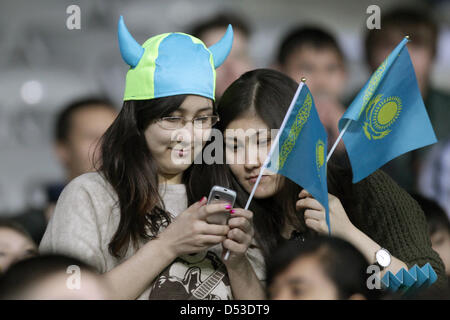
(232, 211)
(202, 199)
(227, 206)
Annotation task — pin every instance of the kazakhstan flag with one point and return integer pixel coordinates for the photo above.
(387, 117)
(302, 148)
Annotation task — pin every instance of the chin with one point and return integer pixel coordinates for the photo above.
(263, 194)
(175, 169)
(265, 189)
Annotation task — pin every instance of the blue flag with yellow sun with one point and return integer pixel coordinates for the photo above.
(388, 116)
(302, 148)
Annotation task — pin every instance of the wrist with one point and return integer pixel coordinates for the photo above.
(236, 262)
(166, 248)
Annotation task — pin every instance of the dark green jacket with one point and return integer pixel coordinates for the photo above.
(388, 215)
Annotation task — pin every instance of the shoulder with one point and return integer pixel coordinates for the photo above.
(88, 197)
(92, 184)
(85, 216)
(90, 180)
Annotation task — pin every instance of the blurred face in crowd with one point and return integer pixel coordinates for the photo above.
(252, 149)
(237, 63)
(173, 149)
(14, 247)
(421, 57)
(87, 125)
(54, 287)
(322, 67)
(440, 241)
(303, 279)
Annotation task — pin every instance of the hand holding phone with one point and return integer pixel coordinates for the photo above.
(223, 195)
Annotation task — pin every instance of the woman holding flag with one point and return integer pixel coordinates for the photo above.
(375, 215)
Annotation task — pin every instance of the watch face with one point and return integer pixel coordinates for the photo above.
(383, 258)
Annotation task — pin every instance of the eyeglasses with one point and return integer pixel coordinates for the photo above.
(203, 122)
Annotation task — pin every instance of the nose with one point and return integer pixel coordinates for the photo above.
(252, 160)
(184, 135)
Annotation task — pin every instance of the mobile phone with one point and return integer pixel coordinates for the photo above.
(223, 195)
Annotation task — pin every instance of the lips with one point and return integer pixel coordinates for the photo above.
(180, 152)
(253, 179)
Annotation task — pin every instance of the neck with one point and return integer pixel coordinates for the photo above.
(170, 178)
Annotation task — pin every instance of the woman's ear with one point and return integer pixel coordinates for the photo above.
(357, 296)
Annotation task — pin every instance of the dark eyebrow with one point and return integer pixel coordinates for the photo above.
(205, 109)
(295, 281)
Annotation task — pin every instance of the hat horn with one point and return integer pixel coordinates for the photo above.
(222, 48)
(130, 49)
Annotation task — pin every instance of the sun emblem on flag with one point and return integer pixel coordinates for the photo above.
(381, 115)
(320, 155)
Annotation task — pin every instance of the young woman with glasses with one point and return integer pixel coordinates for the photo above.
(131, 219)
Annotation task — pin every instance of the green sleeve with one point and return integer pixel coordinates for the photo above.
(393, 219)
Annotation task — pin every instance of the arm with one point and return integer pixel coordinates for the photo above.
(245, 285)
(397, 222)
(368, 248)
(132, 277)
(75, 231)
(342, 227)
(188, 233)
(388, 215)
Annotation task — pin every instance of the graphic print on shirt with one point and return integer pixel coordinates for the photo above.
(201, 276)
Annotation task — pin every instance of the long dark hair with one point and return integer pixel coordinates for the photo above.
(268, 93)
(128, 165)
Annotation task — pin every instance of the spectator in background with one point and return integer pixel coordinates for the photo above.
(423, 31)
(52, 277)
(239, 60)
(77, 129)
(434, 176)
(15, 244)
(321, 268)
(313, 53)
(438, 229)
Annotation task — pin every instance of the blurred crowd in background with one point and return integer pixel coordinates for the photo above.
(61, 89)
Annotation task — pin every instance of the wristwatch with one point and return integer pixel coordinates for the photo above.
(382, 258)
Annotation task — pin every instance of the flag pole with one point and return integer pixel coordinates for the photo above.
(272, 148)
(407, 37)
(338, 139)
